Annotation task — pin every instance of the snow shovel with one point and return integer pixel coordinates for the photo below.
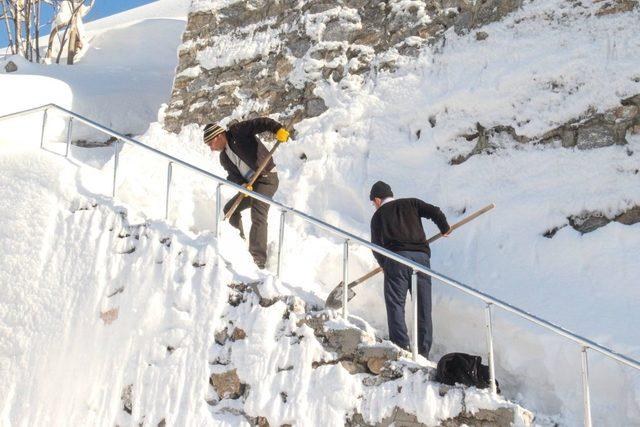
(240, 196)
(334, 300)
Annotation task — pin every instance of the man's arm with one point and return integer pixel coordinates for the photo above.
(376, 239)
(425, 210)
(256, 126)
(233, 174)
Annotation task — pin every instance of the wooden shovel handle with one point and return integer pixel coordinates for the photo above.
(240, 196)
(431, 240)
(464, 221)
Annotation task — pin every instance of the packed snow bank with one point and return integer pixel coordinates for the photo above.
(70, 268)
(107, 321)
(124, 74)
(22, 92)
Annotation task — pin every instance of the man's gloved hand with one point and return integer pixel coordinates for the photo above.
(248, 186)
(282, 135)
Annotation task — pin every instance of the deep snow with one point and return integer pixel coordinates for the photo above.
(94, 304)
(582, 282)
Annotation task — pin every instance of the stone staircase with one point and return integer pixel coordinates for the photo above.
(352, 345)
(349, 345)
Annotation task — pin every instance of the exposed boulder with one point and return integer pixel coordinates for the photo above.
(629, 217)
(353, 367)
(127, 399)
(586, 222)
(238, 334)
(11, 67)
(227, 384)
(109, 316)
(616, 6)
(346, 341)
(500, 417)
(482, 35)
(221, 336)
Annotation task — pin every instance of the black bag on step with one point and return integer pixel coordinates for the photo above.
(466, 369)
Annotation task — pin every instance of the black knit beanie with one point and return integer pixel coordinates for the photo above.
(211, 131)
(381, 190)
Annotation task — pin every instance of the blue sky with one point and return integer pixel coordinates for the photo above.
(101, 9)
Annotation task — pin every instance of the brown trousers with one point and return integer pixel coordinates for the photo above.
(266, 185)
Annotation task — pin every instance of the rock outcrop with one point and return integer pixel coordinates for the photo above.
(11, 67)
(501, 417)
(586, 222)
(290, 48)
(590, 131)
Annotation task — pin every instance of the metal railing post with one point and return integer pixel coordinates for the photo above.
(116, 158)
(168, 198)
(218, 209)
(414, 318)
(44, 126)
(283, 215)
(345, 279)
(585, 388)
(492, 366)
(69, 130)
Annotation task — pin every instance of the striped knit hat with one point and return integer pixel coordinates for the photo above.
(211, 131)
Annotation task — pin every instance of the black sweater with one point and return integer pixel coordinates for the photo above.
(397, 226)
(243, 142)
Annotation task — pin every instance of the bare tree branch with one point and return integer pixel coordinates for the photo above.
(23, 25)
(26, 12)
(5, 14)
(38, 11)
(71, 29)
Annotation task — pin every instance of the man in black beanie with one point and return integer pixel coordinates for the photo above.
(397, 226)
(241, 154)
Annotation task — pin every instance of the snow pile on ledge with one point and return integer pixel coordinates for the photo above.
(122, 78)
(22, 92)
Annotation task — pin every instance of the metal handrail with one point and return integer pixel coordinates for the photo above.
(489, 301)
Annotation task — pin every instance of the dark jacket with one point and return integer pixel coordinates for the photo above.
(397, 226)
(242, 141)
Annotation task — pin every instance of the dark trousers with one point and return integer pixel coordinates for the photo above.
(266, 185)
(397, 281)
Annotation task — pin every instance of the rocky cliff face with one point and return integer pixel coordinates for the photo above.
(290, 47)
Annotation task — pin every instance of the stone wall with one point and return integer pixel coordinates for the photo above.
(266, 57)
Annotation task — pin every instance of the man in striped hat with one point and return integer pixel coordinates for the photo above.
(241, 154)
